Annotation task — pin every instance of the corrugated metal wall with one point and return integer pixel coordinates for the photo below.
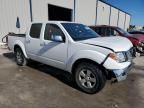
(40, 8)
(9, 11)
(109, 15)
(114, 16)
(103, 13)
(86, 11)
(121, 20)
(93, 12)
(127, 21)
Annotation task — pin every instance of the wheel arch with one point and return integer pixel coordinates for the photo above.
(77, 62)
(21, 46)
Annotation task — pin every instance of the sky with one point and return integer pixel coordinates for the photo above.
(134, 7)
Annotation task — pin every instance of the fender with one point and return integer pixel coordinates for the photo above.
(21, 45)
(85, 54)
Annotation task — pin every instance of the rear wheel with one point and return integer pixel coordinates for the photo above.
(19, 57)
(89, 78)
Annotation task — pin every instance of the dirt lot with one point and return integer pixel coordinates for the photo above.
(41, 86)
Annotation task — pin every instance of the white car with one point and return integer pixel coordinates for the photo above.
(77, 49)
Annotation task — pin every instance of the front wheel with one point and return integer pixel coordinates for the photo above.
(19, 57)
(89, 78)
(136, 53)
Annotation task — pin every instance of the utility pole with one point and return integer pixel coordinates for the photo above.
(74, 10)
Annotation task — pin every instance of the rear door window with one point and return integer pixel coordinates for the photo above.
(98, 30)
(103, 31)
(108, 31)
(114, 32)
(35, 30)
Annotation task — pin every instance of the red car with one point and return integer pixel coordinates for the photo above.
(136, 39)
(136, 32)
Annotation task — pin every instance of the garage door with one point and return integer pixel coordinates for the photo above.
(59, 13)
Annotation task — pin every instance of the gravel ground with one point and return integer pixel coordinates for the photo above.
(41, 86)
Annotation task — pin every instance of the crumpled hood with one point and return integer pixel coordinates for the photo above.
(117, 43)
(139, 37)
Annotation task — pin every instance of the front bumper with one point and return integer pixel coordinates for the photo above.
(121, 74)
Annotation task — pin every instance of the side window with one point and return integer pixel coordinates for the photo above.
(108, 31)
(52, 30)
(35, 30)
(114, 32)
(98, 30)
(103, 31)
(93, 28)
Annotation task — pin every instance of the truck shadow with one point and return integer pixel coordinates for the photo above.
(60, 75)
(139, 67)
(9, 56)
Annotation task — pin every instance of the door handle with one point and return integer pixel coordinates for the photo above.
(27, 41)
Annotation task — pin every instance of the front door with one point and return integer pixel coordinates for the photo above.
(54, 53)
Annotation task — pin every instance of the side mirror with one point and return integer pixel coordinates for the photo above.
(57, 38)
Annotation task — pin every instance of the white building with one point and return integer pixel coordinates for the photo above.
(89, 12)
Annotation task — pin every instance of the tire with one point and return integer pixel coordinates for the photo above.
(89, 78)
(20, 58)
(136, 53)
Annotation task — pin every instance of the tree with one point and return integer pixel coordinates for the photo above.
(132, 27)
(143, 28)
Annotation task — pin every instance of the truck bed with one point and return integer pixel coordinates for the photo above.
(14, 38)
(17, 35)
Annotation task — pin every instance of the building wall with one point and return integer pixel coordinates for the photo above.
(103, 13)
(9, 11)
(40, 8)
(114, 16)
(91, 12)
(127, 22)
(121, 20)
(86, 11)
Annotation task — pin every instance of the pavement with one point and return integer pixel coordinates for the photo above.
(41, 86)
(3, 49)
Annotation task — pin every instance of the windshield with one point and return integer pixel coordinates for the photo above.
(123, 31)
(79, 31)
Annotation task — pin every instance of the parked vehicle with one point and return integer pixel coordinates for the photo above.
(136, 39)
(136, 32)
(77, 49)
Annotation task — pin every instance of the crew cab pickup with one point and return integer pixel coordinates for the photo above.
(77, 49)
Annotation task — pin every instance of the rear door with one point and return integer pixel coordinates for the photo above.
(33, 41)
